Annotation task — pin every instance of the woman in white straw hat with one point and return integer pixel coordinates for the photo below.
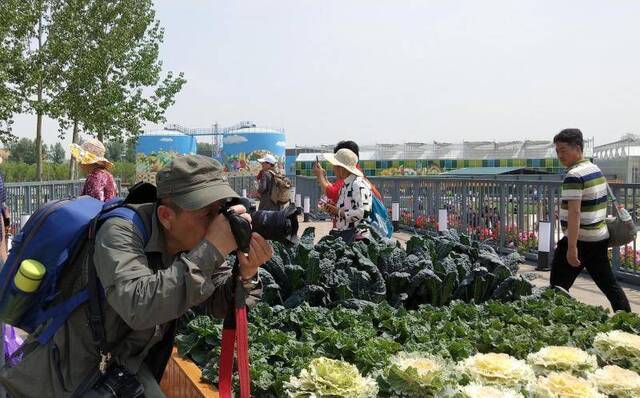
(99, 183)
(354, 200)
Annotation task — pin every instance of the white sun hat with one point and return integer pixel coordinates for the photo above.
(344, 158)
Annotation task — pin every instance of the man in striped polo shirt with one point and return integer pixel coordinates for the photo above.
(583, 211)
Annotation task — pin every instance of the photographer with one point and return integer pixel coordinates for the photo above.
(147, 286)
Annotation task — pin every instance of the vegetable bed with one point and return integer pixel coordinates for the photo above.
(432, 269)
(367, 320)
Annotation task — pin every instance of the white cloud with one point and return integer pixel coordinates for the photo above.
(282, 144)
(235, 139)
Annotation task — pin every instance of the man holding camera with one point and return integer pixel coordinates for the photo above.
(147, 286)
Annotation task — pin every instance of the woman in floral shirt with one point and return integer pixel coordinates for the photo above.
(99, 183)
(354, 200)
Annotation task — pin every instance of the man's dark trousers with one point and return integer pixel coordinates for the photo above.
(595, 257)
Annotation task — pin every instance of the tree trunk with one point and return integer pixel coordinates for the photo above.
(39, 122)
(73, 165)
(39, 144)
(101, 137)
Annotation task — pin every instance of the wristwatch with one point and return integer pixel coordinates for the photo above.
(251, 282)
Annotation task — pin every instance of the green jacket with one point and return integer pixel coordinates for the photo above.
(143, 302)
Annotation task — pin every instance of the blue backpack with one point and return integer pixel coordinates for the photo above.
(54, 235)
(379, 218)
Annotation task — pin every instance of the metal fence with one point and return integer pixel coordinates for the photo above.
(23, 198)
(505, 210)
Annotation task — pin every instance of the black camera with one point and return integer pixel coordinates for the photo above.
(281, 226)
(116, 382)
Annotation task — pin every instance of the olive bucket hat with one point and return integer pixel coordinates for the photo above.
(193, 182)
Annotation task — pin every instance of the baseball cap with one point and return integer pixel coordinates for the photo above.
(268, 159)
(193, 182)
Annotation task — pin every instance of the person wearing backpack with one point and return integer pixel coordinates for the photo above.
(379, 216)
(332, 189)
(354, 200)
(272, 186)
(152, 268)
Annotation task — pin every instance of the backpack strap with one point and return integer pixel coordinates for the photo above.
(94, 287)
(95, 293)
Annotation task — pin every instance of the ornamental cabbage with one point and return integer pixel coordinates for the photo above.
(497, 370)
(564, 385)
(415, 375)
(617, 382)
(326, 377)
(560, 359)
(619, 348)
(480, 391)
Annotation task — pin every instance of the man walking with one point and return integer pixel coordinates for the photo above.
(582, 216)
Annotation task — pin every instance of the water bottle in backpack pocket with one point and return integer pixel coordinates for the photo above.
(22, 291)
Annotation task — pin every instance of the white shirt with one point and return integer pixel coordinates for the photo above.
(354, 202)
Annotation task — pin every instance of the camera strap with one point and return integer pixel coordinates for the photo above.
(95, 290)
(235, 331)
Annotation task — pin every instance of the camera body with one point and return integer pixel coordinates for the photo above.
(281, 226)
(116, 382)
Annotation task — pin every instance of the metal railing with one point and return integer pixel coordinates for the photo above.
(23, 198)
(505, 211)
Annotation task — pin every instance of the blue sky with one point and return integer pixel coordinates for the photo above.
(382, 71)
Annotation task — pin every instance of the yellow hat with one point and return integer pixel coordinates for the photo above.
(90, 152)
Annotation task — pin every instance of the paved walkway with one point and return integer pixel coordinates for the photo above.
(584, 288)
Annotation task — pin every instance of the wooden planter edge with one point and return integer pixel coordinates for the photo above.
(182, 378)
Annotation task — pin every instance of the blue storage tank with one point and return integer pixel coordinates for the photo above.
(157, 149)
(242, 148)
(166, 141)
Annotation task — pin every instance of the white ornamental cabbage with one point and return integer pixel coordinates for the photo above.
(480, 391)
(617, 382)
(415, 374)
(564, 385)
(326, 377)
(561, 359)
(619, 348)
(497, 370)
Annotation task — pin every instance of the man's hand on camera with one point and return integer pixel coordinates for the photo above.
(219, 232)
(260, 252)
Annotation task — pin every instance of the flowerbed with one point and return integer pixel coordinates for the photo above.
(444, 317)
(283, 341)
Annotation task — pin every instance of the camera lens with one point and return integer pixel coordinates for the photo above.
(281, 226)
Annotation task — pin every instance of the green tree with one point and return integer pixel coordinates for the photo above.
(12, 14)
(46, 153)
(57, 153)
(125, 171)
(22, 150)
(91, 64)
(114, 75)
(35, 67)
(131, 150)
(116, 150)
